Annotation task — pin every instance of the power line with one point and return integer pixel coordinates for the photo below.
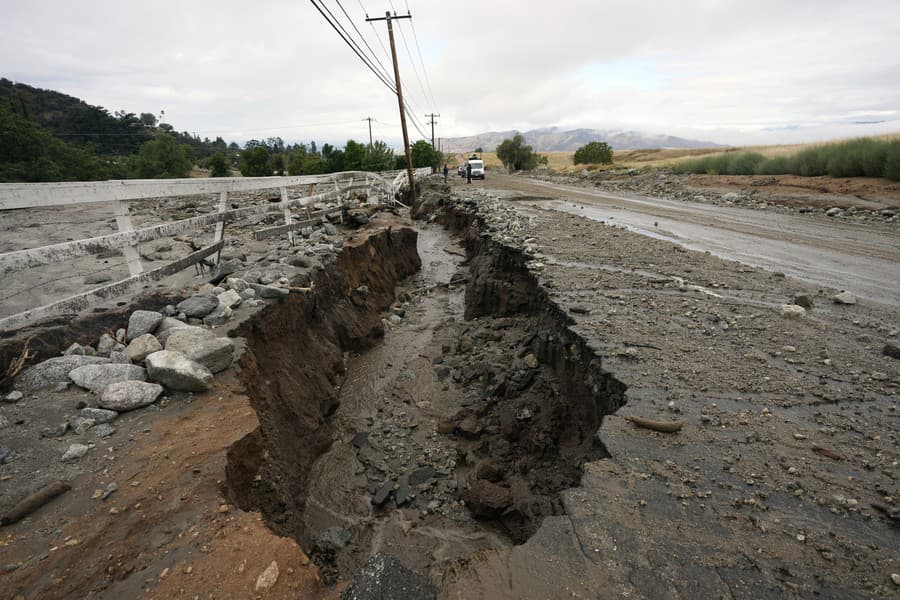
(354, 48)
(421, 60)
(362, 37)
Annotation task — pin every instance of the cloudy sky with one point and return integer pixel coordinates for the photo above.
(734, 72)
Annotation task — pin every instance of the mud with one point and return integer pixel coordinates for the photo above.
(454, 434)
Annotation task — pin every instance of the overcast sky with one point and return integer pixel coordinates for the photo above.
(732, 72)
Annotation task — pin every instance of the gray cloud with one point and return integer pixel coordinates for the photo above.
(734, 71)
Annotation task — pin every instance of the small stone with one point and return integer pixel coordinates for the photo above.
(844, 298)
(55, 431)
(103, 430)
(110, 489)
(383, 493)
(75, 452)
(13, 396)
(895, 577)
(531, 361)
(360, 439)
(804, 300)
(6, 455)
(891, 350)
(792, 311)
(421, 475)
(237, 284)
(231, 298)
(99, 415)
(78, 349)
(267, 578)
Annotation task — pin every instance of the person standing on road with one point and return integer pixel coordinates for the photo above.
(446, 172)
(468, 173)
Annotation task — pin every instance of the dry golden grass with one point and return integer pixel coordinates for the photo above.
(662, 157)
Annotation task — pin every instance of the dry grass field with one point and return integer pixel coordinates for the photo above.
(659, 157)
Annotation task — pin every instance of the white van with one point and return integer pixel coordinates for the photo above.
(477, 168)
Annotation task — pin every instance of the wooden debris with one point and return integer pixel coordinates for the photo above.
(827, 453)
(34, 502)
(661, 426)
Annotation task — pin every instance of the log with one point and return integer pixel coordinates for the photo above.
(661, 426)
(35, 501)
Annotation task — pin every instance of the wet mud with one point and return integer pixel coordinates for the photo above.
(432, 414)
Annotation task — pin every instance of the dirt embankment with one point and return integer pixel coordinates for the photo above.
(857, 199)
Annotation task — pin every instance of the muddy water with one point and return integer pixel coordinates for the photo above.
(393, 394)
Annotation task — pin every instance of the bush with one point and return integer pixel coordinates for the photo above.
(254, 162)
(892, 161)
(218, 165)
(863, 157)
(594, 153)
(516, 155)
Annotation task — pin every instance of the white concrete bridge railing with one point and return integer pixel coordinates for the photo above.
(119, 193)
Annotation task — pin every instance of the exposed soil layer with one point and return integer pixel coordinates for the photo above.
(451, 436)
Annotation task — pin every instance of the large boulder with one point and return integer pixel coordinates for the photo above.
(142, 322)
(129, 395)
(142, 346)
(198, 305)
(167, 326)
(97, 377)
(53, 371)
(177, 372)
(214, 353)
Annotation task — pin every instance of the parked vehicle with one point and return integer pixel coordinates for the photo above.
(477, 167)
(461, 170)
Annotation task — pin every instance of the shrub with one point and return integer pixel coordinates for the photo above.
(594, 153)
(892, 161)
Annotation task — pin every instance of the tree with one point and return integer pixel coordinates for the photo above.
(218, 165)
(516, 155)
(379, 157)
(424, 155)
(594, 153)
(148, 119)
(163, 157)
(479, 150)
(254, 161)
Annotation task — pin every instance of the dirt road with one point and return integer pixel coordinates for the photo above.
(857, 257)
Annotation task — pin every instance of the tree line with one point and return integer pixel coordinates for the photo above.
(49, 136)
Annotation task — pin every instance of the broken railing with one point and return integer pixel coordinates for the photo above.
(119, 193)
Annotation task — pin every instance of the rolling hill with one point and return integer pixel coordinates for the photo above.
(555, 139)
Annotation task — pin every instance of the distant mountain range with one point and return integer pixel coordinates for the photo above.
(555, 139)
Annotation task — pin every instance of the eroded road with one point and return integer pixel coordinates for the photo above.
(864, 258)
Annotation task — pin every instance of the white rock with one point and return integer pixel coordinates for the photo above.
(214, 353)
(141, 346)
(792, 311)
(844, 298)
(231, 298)
(267, 578)
(177, 372)
(53, 371)
(129, 395)
(97, 377)
(75, 452)
(142, 322)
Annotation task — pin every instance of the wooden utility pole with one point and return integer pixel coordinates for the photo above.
(409, 166)
(369, 119)
(432, 116)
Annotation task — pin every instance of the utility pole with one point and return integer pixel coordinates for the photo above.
(409, 166)
(432, 116)
(369, 119)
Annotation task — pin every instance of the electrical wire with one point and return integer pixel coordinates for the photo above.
(358, 53)
(422, 60)
(363, 38)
